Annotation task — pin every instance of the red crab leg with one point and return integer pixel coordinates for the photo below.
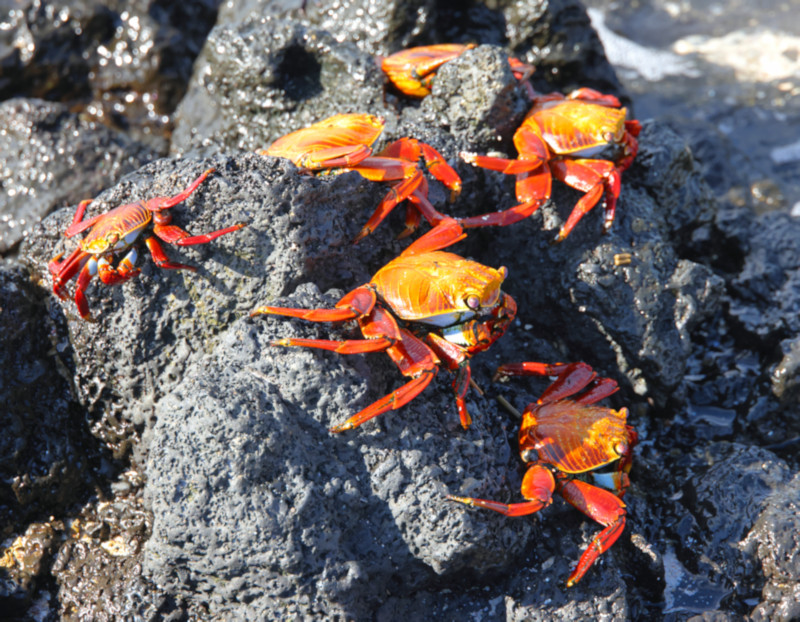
(411, 149)
(78, 224)
(349, 346)
(159, 203)
(175, 235)
(357, 303)
(63, 271)
(84, 278)
(597, 97)
(160, 258)
(595, 178)
(445, 234)
(602, 506)
(398, 192)
(538, 485)
(529, 369)
(457, 359)
(413, 358)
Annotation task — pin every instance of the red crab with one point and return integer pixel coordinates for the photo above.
(565, 435)
(412, 71)
(343, 142)
(424, 309)
(582, 139)
(114, 233)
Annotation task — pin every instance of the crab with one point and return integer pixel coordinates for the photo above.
(564, 435)
(412, 71)
(115, 232)
(583, 139)
(343, 142)
(425, 308)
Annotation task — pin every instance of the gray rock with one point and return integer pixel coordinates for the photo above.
(53, 158)
(44, 461)
(245, 94)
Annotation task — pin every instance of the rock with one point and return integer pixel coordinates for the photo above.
(131, 60)
(45, 465)
(245, 94)
(53, 158)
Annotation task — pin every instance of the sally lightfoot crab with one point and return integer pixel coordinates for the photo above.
(583, 140)
(565, 435)
(424, 309)
(343, 142)
(412, 71)
(116, 232)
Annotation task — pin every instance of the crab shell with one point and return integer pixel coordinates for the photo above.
(572, 126)
(574, 439)
(117, 230)
(438, 288)
(308, 147)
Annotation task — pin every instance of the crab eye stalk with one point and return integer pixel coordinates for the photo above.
(473, 302)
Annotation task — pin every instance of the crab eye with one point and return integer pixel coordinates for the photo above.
(473, 302)
(620, 448)
(530, 455)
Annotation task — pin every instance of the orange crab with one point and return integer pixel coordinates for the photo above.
(412, 71)
(115, 232)
(424, 309)
(343, 142)
(583, 139)
(563, 435)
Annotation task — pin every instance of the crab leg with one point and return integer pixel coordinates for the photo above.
(349, 346)
(358, 303)
(78, 224)
(413, 358)
(538, 485)
(529, 369)
(175, 235)
(63, 270)
(159, 203)
(84, 278)
(160, 258)
(411, 149)
(602, 506)
(446, 233)
(457, 359)
(595, 178)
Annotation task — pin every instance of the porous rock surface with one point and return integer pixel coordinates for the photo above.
(221, 493)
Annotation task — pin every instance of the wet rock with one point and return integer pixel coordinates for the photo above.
(132, 60)
(769, 278)
(245, 94)
(24, 560)
(45, 463)
(98, 568)
(53, 158)
(733, 490)
(773, 541)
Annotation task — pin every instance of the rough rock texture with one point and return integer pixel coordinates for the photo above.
(125, 62)
(224, 496)
(79, 158)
